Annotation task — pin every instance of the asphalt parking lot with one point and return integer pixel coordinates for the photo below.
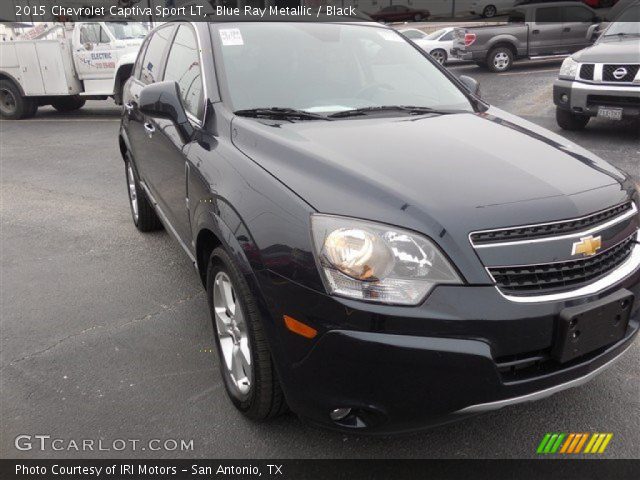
(105, 332)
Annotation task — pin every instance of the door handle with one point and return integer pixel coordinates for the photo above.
(566, 29)
(150, 129)
(535, 32)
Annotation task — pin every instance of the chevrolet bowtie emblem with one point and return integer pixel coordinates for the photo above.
(587, 246)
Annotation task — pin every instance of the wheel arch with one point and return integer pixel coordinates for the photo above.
(7, 76)
(503, 42)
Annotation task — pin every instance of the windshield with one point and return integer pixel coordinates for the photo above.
(328, 68)
(435, 35)
(127, 30)
(628, 23)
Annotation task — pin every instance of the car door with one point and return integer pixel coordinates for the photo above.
(167, 165)
(578, 26)
(93, 58)
(545, 33)
(149, 70)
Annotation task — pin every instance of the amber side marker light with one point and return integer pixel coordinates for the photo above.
(300, 328)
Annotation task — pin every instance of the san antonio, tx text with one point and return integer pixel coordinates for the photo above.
(143, 469)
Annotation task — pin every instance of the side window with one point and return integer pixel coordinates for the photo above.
(552, 14)
(89, 33)
(152, 62)
(104, 36)
(577, 14)
(447, 36)
(138, 68)
(183, 67)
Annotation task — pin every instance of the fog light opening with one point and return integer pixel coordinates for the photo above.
(338, 414)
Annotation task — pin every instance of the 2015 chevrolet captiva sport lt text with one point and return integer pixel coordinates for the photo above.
(381, 249)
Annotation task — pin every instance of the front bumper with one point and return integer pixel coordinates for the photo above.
(585, 98)
(464, 351)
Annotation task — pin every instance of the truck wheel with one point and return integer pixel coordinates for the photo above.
(500, 59)
(68, 104)
(13, 106)
(245, 361)
(489, 11)
(144, 216)
(571, 121)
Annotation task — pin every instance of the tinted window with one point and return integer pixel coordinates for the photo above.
(516, 16)
(183, 67)
(413, 34)
(577, 14)
(138, 69)
(152, 62)
(549, 14)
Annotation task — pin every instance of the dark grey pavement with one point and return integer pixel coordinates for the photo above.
(105, 333)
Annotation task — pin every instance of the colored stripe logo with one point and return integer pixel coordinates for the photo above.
(572, 443)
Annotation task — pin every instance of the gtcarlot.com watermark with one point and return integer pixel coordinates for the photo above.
(45, 443)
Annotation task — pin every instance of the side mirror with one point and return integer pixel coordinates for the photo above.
(471, 84)
(162, 100)
(88, 46)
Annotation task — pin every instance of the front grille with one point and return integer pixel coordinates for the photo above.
(549, 229)
(560, 276)
(609, 100)
(608, 76)
(586, 71)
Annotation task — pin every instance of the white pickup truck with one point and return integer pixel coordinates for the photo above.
(64, 68)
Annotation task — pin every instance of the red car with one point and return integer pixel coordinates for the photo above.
(399, 13)
(600, 3)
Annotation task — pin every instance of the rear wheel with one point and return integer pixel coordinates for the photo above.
(439, 55)
(489, 11)
(13, 106)
(571, 121)
(245, 360)
(144, 216)
(500, 59)
(68, 104)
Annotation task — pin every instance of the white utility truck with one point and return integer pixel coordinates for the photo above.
(64, 66)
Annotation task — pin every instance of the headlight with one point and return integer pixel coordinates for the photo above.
(377, 263)
(569, 68)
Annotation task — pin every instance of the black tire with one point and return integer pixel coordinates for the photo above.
(417, 17)
(439, 55)
(500, 59)
(489, 11)
(571, 121)
(68, 104)
(145, 219)
(265, 398)
(13, 106)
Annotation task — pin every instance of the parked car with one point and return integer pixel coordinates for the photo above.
(438, 44)
(600, 3)
(368, 283)
(491, 8)
(400, 13)
(541, 30)
(604, 79)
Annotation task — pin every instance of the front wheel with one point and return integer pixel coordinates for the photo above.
(500, 59)
(245, 360)
(439, 56)
(489, 11)
(68, 104)
(571, 121)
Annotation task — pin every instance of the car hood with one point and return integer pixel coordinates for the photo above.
(611, 50)
(458, 172)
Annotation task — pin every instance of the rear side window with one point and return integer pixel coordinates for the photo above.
(152, 62)
(553, 14)
(577, 14)
(447, 36)
(183, 67)
(93, 33)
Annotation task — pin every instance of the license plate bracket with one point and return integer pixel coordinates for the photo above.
(610, 113)
(585, 328)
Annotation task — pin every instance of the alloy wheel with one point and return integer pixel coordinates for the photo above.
(232, 333)
(501, 61)
(439, 56)
(133, 193)
(490, 11)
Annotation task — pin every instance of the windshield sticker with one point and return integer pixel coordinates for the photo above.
(231, 36)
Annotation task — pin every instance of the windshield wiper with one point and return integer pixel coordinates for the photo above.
(623, 34)
(412, 110)
(280, 113)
